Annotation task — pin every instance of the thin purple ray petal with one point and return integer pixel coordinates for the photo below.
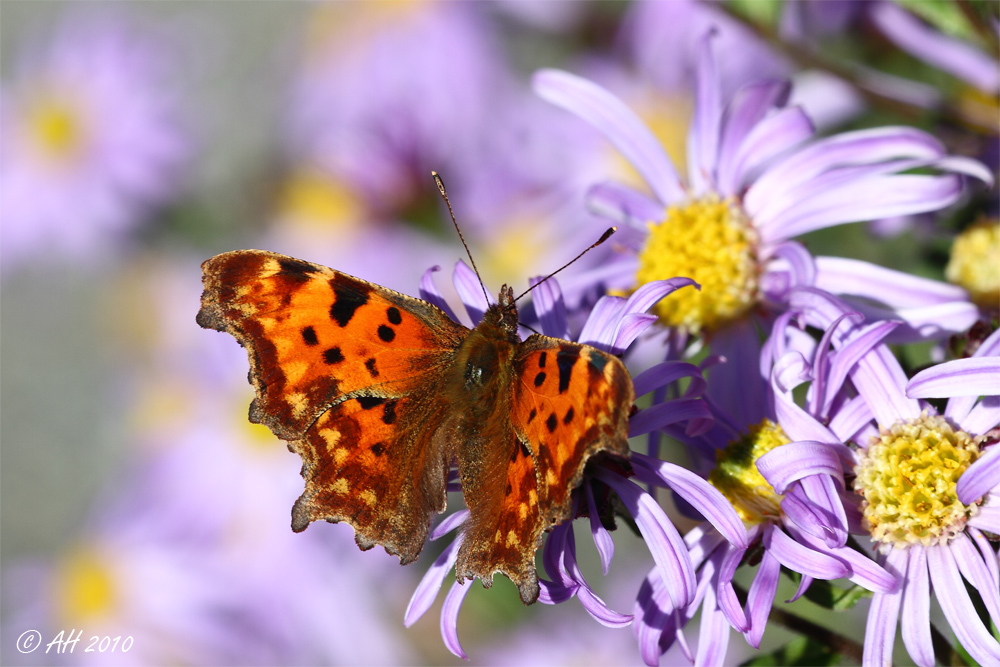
(976, 376)
(749, 106)
(971, 565)
(704, 497)
(703, 136)
(430, 293)
(799, 558)
(663, 414)
(980, 477)
(449, 618)
(957, 606)
(761, 597)
(550, 308)
(426, 592)
(729, 604)
(624, 205)
(880, 630)
(915, 622)
(841, 275)
(610, 116)
(601, 613)
(470, 290)
(448, 524)
(983, 417)
(779, 133)
(782, 466)
(713, 633)
(667, 373)
(602, 538)
(662, 539)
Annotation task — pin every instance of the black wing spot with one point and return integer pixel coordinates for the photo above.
(393, 314)
(296, 270)
(347, 300)
(566, 359)
(551, 422)
(540, 379)
(378, 448)
(386, 333)
(532, 415)
(390, 412)
(370, 365)
(309, 336)
(541, 359)
(569, 416)
(507, 490)
(369, 402)
(333, 355)
(524, 450)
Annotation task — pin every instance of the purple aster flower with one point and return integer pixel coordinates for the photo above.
(926, 486)
(90, 139)
(612, 326)
(756, 179)
(786, 493)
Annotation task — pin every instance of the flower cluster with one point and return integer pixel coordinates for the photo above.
(804, 287)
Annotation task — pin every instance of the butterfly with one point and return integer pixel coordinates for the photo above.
(380, 393)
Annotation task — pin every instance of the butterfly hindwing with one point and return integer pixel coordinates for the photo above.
(315, 335)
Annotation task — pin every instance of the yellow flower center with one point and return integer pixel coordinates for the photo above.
(907, 478)
(313, 200)
(55, 128)
(85, 586)
(737, 477)
(711, 241)
(975, 263)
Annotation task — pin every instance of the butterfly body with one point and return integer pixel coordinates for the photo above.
(380, 393)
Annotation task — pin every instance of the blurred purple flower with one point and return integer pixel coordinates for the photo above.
(787, 493)
(756, 181)
(613, 325)
(90, 139)
(927, 486)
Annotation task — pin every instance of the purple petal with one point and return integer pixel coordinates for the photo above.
(791, 371)
(449, 618)
(450, 523)
(988, 554)
(713, 632)
(553, 555)
(662, 539)
(799, 260)
(656, 619)
(924, 323)
(602, 538)
(859, 147)
(801, 559)
(426, 592)
(663, 414)
(749, 105)
(733, 385)
(599, 329)
(471, 291)
(916, 622)
(550, 308)
(880, 631)
(987, 519)
(782, 466)
(630, 327)
(624, 205)
(823, 493)
(840, 275)
(822, 393)
(989, 347)
(601, 612)
(977, 376)
(926, 43)
(958, 609)
(861, 343)
(971, 565)
(761, 597)
(430, 293)
(703, 137)
(729, 604)
(983, 417)
(777, 134)
(610, 116)
(980, 477)
(704, 497)
(667, 373)
(850, 418)
(553, 593)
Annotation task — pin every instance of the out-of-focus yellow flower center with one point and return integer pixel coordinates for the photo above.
(907, 478)
(85, 587)
(313, 200)
(711, 241)
(256, 437)
(737, 477)
(975, 262)
(56, 128)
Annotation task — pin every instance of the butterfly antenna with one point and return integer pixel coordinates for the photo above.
(604, 237)
(440, 184)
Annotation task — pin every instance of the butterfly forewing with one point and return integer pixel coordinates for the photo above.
(315, 336)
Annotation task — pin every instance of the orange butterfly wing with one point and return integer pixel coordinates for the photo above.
(567, 402)
(345, 370)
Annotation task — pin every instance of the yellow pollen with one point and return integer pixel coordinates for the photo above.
(907, 478)
(737, 477)
(711, 241)
(85, 586)
(313, 200)
(55, 128)
(975, 263)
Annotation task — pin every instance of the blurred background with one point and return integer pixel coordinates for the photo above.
(139, 139)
